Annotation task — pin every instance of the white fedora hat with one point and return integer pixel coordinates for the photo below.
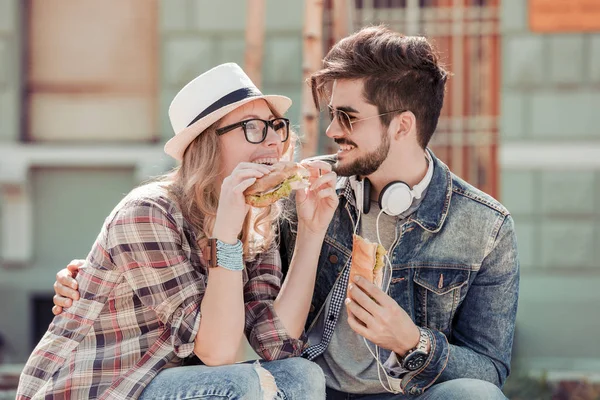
(210, 97)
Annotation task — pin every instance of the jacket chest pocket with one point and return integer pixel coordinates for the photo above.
(437, 296)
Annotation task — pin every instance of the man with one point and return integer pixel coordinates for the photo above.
(444, 329)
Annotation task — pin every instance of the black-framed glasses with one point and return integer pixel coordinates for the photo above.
(255, 129)
(346, 122)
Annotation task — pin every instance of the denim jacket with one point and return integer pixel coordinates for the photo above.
(454, 270)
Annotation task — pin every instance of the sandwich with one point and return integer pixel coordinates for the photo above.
(367, 261)
(279, 183)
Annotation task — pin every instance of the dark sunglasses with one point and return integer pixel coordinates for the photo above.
(346, 122)
(255, 130)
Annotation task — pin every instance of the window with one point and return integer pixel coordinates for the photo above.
(91, 71)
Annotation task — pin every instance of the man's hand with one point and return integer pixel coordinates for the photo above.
(377, 317)
(65, 287)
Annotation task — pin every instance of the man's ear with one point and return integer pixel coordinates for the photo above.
(403, 125)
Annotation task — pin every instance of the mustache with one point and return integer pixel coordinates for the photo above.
(344, 141)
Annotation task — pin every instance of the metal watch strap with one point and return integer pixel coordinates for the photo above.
(420, 348)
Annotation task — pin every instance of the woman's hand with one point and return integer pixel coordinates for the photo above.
(65, 287)
(317, 204)
(232, 203)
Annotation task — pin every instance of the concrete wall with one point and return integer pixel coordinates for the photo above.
(550, 133)
(197, 35)
(10, 74)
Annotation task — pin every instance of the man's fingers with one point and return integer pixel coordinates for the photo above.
(56, 310)
(360, 313)
(64, 278)
(74, 266)
(75, 263)
(65, 291)
(62, 301)
(356, 326)
(372, 290)
(363, 300)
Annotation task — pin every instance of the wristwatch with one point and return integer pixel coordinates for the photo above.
(210, 253)
(416, 357)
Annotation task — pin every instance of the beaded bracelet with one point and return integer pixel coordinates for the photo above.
(230, 256)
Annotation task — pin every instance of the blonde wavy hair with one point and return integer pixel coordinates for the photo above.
(196, 187)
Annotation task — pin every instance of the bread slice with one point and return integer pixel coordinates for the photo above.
(367, 260)
(278, 184)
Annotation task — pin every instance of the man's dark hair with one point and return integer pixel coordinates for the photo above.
(399, 73)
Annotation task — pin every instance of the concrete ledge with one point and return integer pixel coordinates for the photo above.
(550, 156)
(556, 369)
(16, 160)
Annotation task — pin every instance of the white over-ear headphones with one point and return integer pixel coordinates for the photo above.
(395, 198)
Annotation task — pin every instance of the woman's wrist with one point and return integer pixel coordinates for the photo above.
(224, 235)
(225, 238)
(305, 229)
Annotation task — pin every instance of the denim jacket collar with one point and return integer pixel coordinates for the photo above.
(433, 210)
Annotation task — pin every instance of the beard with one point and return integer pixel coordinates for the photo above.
(367, 164)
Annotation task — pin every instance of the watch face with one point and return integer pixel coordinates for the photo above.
(414, 361)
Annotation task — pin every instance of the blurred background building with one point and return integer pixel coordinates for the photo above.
(85, 86)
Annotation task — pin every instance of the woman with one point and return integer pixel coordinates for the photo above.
(148, 300)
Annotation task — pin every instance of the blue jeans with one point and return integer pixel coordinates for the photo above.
(457, 389)
(295, 378)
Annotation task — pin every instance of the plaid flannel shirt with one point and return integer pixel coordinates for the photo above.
(139, 310)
